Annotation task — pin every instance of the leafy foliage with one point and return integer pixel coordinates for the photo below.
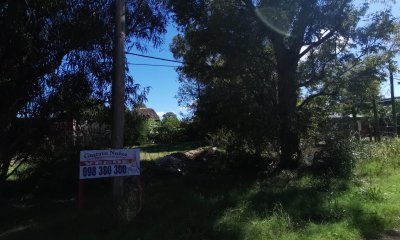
(139, 130)
(253, 67)
(236, 91)
(57, 61)
(169, 130)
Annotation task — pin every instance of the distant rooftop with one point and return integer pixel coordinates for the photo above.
(387, 101)
(148, 113)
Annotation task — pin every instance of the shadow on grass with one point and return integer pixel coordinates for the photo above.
(370, 224)
(184, 210)
(191, 207)
(173, 208)
(39, 219)
(312, 202)
(318, 203)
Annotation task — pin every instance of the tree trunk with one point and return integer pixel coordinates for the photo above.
(288, 133)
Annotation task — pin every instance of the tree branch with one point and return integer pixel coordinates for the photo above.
(317, 43)
(324, 38)
(312, 97)
(314, 78)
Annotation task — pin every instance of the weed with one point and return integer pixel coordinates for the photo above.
(372, 193)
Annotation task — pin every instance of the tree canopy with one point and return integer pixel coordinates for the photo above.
(266, 60)
(57, 59)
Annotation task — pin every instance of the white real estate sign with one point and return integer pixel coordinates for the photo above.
(109, 163)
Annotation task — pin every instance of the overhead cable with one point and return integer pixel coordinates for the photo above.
(152, 65)
(158, 58)
(169, 60)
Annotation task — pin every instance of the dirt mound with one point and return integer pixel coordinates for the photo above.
(183, 163)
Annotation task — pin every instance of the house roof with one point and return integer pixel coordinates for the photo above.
(148, 113)
(388, 101)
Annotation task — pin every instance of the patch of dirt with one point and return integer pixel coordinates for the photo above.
(391, 235)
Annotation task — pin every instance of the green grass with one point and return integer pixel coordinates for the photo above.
(155, 151)
(232, 207)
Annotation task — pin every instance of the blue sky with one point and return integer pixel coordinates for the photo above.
(163, 81)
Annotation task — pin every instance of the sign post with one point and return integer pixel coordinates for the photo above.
(109, 163)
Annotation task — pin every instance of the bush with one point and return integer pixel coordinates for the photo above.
(52, 171)
(222, 138)
(336, 158)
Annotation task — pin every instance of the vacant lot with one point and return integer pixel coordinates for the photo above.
(229, 206)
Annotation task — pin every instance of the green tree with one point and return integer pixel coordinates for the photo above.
(169, 128)
(230, 84)
(216, 33)
(57, 58)
(139, 129)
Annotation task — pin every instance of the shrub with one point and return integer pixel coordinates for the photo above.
(222, 138)
(336, 158)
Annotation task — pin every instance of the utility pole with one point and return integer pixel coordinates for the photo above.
(355, 122)
(118, 90)
(394, 117)
(376, 120)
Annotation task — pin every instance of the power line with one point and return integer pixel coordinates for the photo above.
(158, 58)
(152, 65)
(169, 60)
(145, 64)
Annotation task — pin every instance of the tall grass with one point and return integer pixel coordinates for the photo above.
(305, 207)
(308, 208)
(287, 206)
